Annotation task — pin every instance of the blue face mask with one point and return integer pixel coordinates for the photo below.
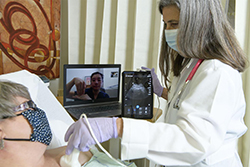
(171, 37)
(40, 126)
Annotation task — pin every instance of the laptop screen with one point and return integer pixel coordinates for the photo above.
(90, 84)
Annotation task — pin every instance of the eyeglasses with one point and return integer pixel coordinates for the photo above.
(25, 105)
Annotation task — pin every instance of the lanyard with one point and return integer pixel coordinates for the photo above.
(190, 76)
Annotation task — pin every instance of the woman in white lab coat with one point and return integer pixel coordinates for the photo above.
(204, 115)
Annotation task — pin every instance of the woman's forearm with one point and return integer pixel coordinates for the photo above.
(165, 93)
(119, 124)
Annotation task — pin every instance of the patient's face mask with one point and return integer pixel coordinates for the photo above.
(39, 122)
(171, 38)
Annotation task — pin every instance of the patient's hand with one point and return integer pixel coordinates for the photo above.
(82, 97)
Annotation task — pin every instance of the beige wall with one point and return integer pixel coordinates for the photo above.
(242, 29)
(56, 85)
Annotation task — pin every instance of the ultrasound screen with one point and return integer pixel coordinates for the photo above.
(137, 94)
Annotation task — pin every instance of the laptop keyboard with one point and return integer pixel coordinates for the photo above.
(96, 111)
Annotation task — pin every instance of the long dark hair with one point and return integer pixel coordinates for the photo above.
(203, 33)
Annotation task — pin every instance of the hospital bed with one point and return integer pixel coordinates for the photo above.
(58, 118)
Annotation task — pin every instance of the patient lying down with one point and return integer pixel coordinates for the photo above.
(25, 132)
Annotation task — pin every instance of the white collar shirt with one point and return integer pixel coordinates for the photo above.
(205, 129)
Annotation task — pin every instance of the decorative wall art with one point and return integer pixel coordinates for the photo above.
(30, 36)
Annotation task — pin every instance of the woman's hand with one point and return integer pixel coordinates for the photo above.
(78, 135)
(157, 88)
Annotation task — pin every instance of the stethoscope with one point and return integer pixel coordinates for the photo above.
(190, 76)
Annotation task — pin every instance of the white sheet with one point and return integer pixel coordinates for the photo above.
(58, 117)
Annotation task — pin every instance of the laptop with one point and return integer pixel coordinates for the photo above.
(102, 78)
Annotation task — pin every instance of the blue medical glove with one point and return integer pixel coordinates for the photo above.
(78, 135)
(157, 88)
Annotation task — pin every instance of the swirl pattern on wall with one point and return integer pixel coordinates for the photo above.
(25, 46)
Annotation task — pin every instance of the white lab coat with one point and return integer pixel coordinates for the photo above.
(203, 132)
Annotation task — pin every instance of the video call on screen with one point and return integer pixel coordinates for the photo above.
(110, 81)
